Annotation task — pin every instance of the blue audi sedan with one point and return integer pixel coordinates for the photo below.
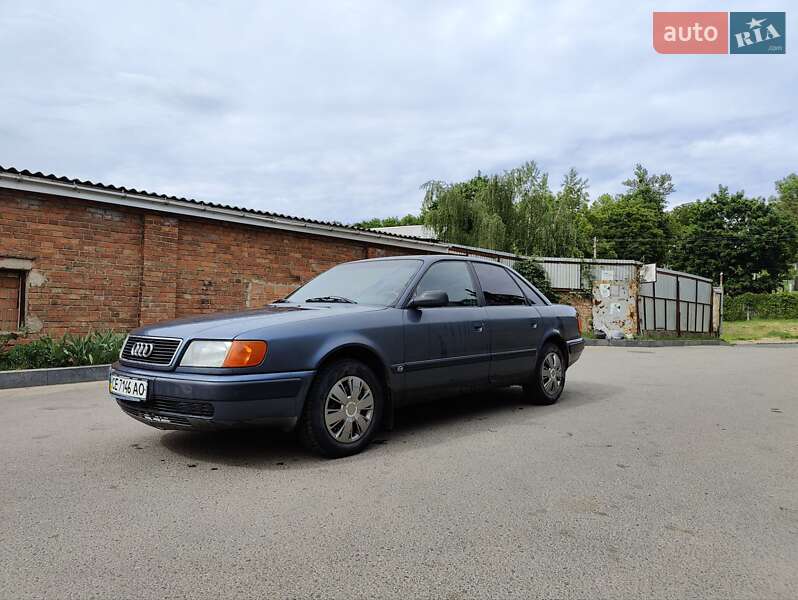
(336, 358)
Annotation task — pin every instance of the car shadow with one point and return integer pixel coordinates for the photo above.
(495, 407)
(415, 426)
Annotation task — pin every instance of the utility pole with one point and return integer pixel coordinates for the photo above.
(594, 247)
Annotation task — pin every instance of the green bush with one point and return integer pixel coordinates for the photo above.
(536, 275)
(779, 305)
(96, 348)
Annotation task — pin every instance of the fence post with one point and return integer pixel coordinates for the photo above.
(678, 309)
(712, 325)
(722, 294)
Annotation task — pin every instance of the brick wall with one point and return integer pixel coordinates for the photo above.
(159, 257)
(86, 261)
(582, 304)
(223, 266)
(101, 267)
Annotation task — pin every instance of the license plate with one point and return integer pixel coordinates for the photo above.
(127, 387)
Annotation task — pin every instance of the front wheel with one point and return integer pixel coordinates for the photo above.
(343, 409)
(548, 379)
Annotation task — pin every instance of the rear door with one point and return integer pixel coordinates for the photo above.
(447, 347)
(514, 324)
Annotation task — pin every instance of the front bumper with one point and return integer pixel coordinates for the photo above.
(192, 401)
(575, 348)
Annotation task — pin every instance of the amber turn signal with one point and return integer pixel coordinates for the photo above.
(245, 354)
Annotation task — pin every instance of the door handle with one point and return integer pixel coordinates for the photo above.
(478, 326)
(534, 323)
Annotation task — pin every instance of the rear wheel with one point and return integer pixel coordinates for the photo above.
(548, 379)
(343, 409)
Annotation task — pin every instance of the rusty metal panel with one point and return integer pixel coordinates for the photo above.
(615, 302)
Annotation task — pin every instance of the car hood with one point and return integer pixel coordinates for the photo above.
(232, 324)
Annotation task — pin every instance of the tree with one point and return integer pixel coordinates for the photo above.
(547, 223)
(389, 222)
(748, 239)
(537, 276)
(634, 225)
(515, 211)
(787, 199)
(463, 212)
(649, 190)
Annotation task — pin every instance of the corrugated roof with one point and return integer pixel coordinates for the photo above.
(415, 231)
(145, 193)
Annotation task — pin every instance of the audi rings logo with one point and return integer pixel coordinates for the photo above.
(141, 350)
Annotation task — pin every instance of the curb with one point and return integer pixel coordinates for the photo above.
(655, 343)
(34, 377)
(748, 343)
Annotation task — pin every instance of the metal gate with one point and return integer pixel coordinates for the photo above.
(677, 302)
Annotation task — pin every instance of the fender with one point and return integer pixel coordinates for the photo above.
(361, 343)
(554, 334)
(347, 340)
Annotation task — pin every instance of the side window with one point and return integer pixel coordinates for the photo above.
(452, 277)
(531, 295)
(497, 285)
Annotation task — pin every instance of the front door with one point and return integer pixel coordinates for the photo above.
(447, 347)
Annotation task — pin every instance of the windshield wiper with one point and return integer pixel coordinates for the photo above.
(340, 299)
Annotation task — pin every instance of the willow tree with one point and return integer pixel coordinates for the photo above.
(477, 212)
(549, 223)
(515, 211)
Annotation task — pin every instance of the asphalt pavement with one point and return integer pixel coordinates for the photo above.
(662, 473)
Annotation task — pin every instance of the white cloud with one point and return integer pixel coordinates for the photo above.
(341, 110)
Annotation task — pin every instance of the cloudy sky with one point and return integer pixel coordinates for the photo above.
(341, 110)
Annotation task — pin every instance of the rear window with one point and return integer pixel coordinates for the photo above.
(498, 287)
(533, 296)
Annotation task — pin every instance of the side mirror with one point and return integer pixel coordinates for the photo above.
(430, 299)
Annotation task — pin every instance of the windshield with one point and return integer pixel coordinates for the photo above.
(377, 282)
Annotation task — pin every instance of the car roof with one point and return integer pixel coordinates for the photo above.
(429, 258)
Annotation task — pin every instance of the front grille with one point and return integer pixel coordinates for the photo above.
(172, 405)
(162, 353)
(182, 407)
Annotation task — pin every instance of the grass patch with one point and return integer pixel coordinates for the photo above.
(760, 329)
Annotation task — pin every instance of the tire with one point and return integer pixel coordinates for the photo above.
(334, 422)
(546, 386)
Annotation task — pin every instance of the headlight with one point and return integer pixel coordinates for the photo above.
(216, 353)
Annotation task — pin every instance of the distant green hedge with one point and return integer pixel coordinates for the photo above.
(780, 305)
(96, 348)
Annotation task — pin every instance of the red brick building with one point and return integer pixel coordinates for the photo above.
(77, 256)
